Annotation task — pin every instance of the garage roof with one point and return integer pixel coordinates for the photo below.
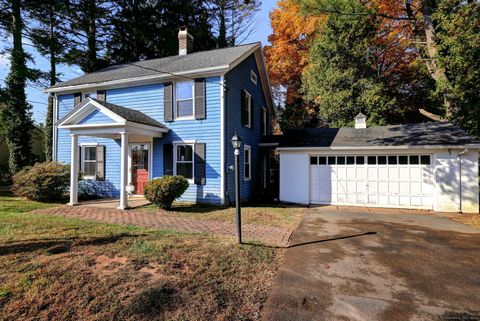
(432, 134)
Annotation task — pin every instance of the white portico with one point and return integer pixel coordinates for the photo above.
(97, 118)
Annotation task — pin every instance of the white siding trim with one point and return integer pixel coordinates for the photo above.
(222, 140)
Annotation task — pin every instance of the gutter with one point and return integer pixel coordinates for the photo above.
(362, 148)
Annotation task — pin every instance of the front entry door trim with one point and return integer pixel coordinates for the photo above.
(150, 153)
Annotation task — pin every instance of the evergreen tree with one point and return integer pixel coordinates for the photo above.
(49, 39)
(15, 118)
(342, 79)
(149, 29)
(87, 31)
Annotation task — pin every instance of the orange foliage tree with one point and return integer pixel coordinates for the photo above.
(287, 55)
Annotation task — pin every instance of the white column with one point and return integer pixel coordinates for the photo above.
(123, 171)
(74, 170)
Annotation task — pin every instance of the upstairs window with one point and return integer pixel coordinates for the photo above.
(91, 95)
(264, 127)
(253, 77)
(246, 109)
(184, 99)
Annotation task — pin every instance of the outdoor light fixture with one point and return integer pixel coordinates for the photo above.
(237, 143)
(130, 189)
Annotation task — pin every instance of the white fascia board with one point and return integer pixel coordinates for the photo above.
(84, 126)
(375, 148)
(210, 71)
(222, 140)
(87, 108)
(266, 86)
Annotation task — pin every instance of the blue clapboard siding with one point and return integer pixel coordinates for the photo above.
(149, 100)
(96, 117)
(237, 80)
(112, 147)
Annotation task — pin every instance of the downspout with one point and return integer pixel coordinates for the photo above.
(465, 150)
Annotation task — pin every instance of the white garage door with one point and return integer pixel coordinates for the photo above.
(375, 180)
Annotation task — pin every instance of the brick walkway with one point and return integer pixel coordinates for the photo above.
(275, 236)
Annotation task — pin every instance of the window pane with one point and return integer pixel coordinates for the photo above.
(247, 170)
(414, 160)
(403, 160)
(382, 160)
(331, 160)
(184, 153)
(372, 160)
(360, 160)
(322, 160)
(247, 156)
(341, 160)
(425, 159)
(313, 160)
(392, 160)
(184, 90)
(184, 108)
(350, 160)
(185, 170)
(90, 153)
(89, 168)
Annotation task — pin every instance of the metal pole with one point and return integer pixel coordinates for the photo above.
(237, 196)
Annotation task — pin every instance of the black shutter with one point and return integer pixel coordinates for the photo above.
(100, 162)
(77, 99)
(101, 95)
(167, 159)
(200, 99)
(168, 102)
(243, 106)
(200, 164)
(262, 121)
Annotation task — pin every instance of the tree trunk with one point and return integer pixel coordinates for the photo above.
(91, 36)
(16, 119)
(429, 53)
(53, 73)
(222, 33)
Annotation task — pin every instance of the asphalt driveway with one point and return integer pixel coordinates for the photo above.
(360, 266)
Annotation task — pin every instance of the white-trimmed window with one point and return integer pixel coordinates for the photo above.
(92, 94)
(253, 77)
(264, 121)
(89, 161)
(247, 163)
(183, 161)
(184, 99)
(246, 109)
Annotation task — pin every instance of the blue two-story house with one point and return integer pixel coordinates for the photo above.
(127, 124)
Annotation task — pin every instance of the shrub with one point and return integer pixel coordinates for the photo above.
(44, 182)
(90, 189)
(163, 191)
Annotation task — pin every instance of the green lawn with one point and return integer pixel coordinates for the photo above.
(54, 268)
(281, 216)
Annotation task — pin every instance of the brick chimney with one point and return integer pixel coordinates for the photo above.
(185, 41)
(360, 121)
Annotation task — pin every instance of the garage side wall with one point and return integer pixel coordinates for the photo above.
(294, 177)
(447, 182)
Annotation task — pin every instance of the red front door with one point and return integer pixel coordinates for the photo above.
(139, 154)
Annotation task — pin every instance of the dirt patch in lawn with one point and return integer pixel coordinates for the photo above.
(146, 276)
(275, 215)
(468, 219)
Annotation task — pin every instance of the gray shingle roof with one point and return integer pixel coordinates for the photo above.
(131, 114)
(172, 64)
(433, 133)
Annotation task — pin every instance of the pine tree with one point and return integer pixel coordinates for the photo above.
(50, 41)
(15, 118)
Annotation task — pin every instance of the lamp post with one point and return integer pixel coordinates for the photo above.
(237, 143)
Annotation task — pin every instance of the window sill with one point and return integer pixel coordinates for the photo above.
(90, 178)
(184, 118)
(247, 179)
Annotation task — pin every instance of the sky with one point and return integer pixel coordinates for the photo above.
(38, 99)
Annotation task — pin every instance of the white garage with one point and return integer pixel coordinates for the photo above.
(431, 166)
